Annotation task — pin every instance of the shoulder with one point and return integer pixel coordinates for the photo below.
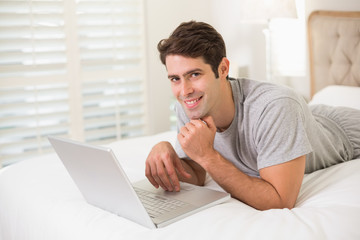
(257, 96)
(264, 104)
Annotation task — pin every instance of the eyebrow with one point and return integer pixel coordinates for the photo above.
(186, 73)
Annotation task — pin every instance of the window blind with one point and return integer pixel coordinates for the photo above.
(111, 39)
(70, 68)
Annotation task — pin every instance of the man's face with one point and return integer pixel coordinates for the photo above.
(193, 84)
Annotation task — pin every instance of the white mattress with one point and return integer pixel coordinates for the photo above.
(39, 201)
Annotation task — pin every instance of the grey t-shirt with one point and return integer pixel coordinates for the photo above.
(273, 125)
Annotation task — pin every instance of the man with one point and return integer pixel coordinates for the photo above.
(255, 139)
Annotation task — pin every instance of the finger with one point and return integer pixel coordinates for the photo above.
(155, 175)
(189, 128)
(172, 175)
(209, 122)
(149, 176)
(184, 130)
(163, 177)
(198, 123)
(181, 138)
(191, 125)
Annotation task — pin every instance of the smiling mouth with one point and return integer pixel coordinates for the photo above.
(192, 103)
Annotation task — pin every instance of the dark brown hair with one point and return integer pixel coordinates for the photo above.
(195, 39)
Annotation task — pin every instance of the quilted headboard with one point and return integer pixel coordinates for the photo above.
(334, 49)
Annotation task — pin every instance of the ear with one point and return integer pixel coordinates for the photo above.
(224, 68)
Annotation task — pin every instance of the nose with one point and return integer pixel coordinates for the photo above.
(186, 88)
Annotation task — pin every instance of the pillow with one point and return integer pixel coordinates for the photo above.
(337, 95)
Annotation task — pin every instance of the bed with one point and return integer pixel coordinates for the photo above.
(38, 199)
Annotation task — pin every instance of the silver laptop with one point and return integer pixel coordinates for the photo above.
(103, 183)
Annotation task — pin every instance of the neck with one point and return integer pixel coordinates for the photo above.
(225, 116)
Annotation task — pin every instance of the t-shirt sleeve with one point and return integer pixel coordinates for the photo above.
(181, 121)
(280, 133)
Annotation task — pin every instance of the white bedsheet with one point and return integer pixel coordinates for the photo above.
(38, 200)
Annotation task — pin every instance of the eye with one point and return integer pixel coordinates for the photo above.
(195, 74)
(174, 79)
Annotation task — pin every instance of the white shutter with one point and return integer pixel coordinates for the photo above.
(33, 90)
(113, 109)
(69, 68)
(32, 38)
(28, 115)
(112, 67)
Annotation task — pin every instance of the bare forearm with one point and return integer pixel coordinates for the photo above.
(253, 191)
(197, 173)
(278, 186)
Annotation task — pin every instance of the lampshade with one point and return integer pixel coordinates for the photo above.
(267, 9)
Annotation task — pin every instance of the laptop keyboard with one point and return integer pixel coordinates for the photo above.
(157, 205)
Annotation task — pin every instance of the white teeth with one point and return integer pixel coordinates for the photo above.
(192, 102)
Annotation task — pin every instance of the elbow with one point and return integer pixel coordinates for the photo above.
(274, 204)
(279, 201)
(280, 204)
(289, 205)
(287, 202)
(284, 206)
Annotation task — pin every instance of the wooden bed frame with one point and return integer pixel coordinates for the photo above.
(334, 49)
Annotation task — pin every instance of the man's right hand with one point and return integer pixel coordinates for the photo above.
(163, 166)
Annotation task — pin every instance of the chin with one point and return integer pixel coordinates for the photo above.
(194, 116)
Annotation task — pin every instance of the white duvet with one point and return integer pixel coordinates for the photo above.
(39, 201)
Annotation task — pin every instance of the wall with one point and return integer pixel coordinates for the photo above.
(245, 41)
(343, 5)
(162, 17)
(245, 44)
